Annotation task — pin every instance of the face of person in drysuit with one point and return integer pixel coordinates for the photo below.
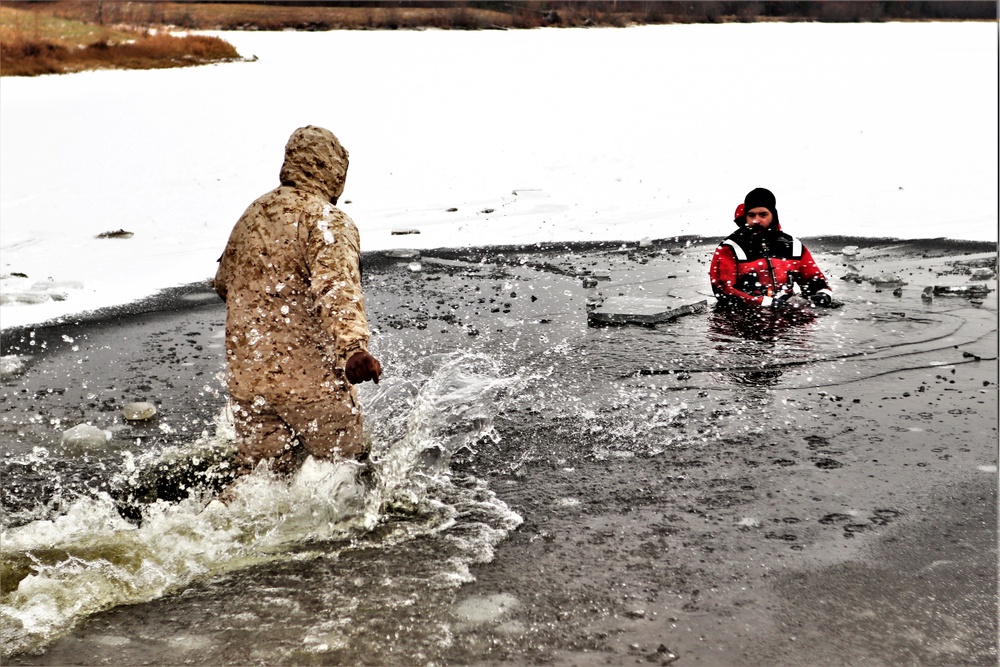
(759, 218)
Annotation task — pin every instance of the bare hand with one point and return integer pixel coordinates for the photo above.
(362, 366)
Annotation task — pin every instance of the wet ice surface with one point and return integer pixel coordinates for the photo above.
(492, 376)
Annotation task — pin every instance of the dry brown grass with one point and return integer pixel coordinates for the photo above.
(260, 16)
(386, 15)
(71, 35)
(238, 16)
(33, 42)
(29, 57)
(474, 15)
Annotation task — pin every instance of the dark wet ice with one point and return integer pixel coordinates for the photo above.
(490, 366)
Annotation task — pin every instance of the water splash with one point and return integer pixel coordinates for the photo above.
(57, 571)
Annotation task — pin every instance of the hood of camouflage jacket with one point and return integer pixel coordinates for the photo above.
(315, 162)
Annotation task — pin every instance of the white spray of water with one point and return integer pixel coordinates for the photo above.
(89, 558)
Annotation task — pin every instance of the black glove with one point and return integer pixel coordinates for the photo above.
(362, 366)
(822, 299)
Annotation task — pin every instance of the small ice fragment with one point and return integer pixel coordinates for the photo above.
(43, 285)
(25, 297)
(403, 254)
(85, 435)
(138, 411)
(10, 364)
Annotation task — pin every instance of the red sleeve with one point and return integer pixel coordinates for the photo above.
(722, 274)
(813, 279)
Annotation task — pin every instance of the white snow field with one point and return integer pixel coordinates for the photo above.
(878, 130)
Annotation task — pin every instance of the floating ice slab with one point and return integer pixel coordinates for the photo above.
(641, 310)
(403, 253)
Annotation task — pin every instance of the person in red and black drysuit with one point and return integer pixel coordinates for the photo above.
(759, 265)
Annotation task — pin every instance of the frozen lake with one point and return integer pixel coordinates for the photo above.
(884, 130)
(500, 407)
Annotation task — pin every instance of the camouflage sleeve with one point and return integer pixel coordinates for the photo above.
(224, 272)
(220, 280)
(334, 256)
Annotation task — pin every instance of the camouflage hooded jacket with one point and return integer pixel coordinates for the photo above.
(291, 279)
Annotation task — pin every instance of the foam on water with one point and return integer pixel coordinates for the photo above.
(59, 570)
(11, 365)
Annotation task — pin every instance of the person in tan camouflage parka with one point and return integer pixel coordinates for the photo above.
(296, 330)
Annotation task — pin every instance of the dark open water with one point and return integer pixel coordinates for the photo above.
(487, 355)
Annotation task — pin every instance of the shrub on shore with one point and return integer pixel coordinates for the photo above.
(32, 44)
(24, 56)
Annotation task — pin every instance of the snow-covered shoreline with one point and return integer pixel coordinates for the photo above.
(533, 136)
